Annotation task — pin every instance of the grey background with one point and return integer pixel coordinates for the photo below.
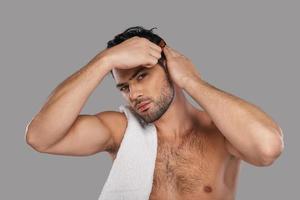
(250, 49)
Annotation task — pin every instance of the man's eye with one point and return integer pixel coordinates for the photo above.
(141, 75)
(123, 88)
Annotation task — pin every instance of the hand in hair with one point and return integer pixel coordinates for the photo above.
(180, 68)
(136, 51)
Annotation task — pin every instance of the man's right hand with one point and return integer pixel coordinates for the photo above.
(131, 53)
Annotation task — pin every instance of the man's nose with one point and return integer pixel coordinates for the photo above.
(135, 93)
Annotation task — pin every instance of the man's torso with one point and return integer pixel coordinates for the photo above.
(196, 166)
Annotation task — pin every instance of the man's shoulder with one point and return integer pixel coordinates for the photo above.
(207, 124)
(116, 122)
(203, 118)
(111, 115)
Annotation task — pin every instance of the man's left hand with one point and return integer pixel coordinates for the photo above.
(180, 68)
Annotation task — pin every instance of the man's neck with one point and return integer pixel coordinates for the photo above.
(178, 120)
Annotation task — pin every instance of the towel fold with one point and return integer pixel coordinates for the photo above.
(131, 175)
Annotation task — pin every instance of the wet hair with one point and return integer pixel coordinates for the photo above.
(140, 32)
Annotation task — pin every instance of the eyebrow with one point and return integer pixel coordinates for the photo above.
(134, 75)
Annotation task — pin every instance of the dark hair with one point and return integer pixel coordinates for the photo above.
(140, 32)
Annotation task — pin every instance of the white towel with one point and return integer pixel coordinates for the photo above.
(131, 175)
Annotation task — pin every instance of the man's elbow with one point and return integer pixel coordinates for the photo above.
(272, 150)
(32, 142)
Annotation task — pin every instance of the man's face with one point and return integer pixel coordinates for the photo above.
(142, 84)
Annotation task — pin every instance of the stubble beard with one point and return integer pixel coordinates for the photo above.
(160, 106)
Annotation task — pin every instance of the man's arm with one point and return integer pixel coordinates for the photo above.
(250, 134)
(59, 129)
(64, 104)
(90, 134)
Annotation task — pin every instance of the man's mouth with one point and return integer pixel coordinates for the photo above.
(144, 106)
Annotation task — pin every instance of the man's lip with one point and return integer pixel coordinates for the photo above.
(140, 105)
(144, 107)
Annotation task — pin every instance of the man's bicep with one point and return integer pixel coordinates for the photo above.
(87, 136)
(250, 158)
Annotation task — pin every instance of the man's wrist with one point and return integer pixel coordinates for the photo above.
(102, 62)
(187, 81)
(105, 63)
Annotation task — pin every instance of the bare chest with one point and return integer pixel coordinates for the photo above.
(192, 168)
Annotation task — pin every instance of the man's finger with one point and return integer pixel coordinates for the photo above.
(168, 52)
(173, 52)
(155, 46)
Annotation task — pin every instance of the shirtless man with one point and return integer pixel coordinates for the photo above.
(199, 151)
